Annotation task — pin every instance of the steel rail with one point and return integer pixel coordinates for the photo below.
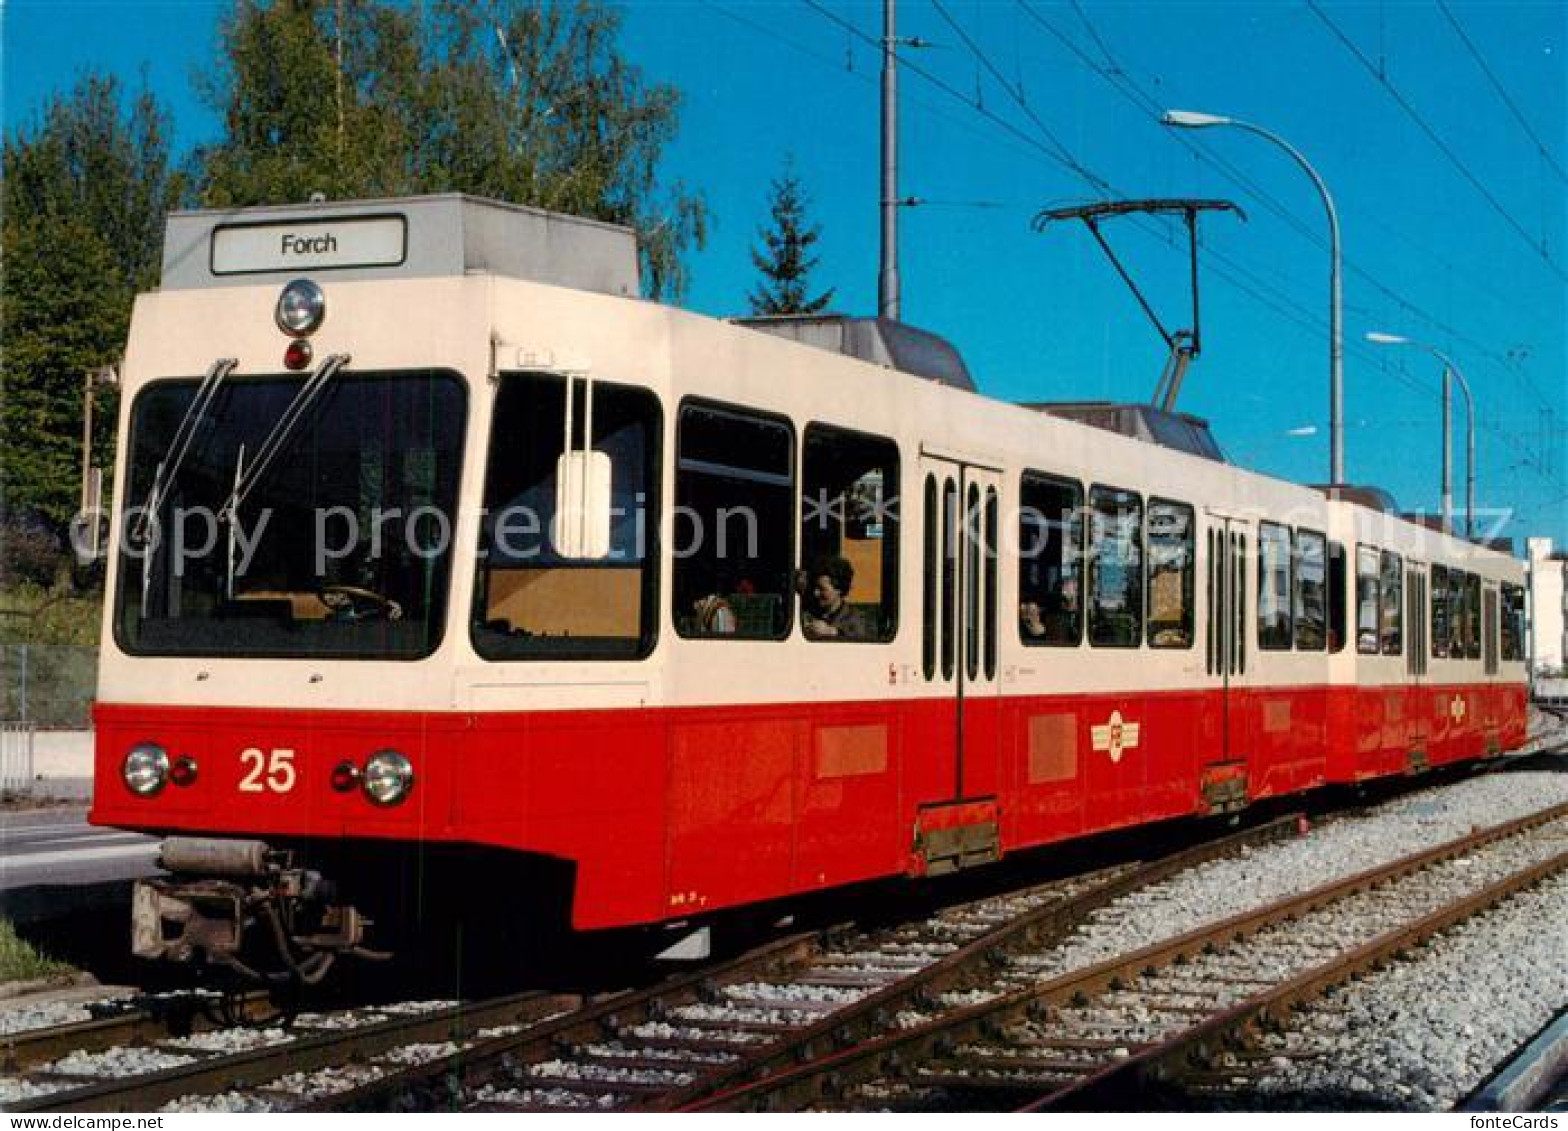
(864, 1019)
(1190, 1047)
(144, 1024)
(900, 1054)
(255, 1068)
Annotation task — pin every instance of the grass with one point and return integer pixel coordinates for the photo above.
(20, 962)
(30, 614)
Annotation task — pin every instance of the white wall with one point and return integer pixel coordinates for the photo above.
(1547, 643)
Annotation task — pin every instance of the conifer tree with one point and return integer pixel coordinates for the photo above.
(785, 258)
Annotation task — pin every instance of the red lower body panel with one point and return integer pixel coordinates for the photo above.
(665, 813)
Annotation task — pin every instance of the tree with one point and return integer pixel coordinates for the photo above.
(785, 258)
(525, 102)
(86, 189)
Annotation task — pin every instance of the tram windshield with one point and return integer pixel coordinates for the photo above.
(341, 546)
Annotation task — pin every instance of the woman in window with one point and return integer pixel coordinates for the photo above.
(828, 614)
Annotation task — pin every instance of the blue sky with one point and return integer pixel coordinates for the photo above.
(1451, 194)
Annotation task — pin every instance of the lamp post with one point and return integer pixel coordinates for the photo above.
(1193, 120)
(1377, 337)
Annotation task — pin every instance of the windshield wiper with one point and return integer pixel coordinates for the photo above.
(245, 482)
(164, 477)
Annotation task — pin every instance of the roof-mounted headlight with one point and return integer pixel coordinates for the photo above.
(145, 769)
(301, 308)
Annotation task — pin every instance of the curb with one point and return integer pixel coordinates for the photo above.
(1528, 1075)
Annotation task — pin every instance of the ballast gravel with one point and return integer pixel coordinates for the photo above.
(1423, 1033)
(229, 1040)
(1256, 876)
(44, 1014)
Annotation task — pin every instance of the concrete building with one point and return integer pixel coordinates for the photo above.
(1548, 594)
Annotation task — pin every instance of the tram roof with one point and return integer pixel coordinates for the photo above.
(404, 237)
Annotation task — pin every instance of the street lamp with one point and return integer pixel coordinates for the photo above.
(1193, 120)
(1377, 337)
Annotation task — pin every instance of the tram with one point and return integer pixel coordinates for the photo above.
(454, 580)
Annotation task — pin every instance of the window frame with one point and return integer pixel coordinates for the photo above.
(892, 571)
(1397, 604)
(1289, 544)
(652, 617)
(1299, 534)
(693, 402)
(1189, 590)
(1026, 480)
(1092, 566)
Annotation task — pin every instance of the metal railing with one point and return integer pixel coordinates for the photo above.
(51, 685)
(16, 756)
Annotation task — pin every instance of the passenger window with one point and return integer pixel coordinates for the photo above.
(1440, 612)
(1050, 548)
(1368, 600)
(1115, 568)
(1456, 614)
(532, 600)
(734, 517)
(930, 573)
(1512, 623)
(1274, 588)
(849, 528)
(1172, 574)
(1336, 597)
(1473, 616)
(1391, 633)
(1309, 600)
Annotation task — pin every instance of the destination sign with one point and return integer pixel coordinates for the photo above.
(360, 241)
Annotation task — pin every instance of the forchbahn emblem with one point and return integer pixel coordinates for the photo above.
(1456, 709)
(1115, 736)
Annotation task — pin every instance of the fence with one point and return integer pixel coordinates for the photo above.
(48, 685)
(16, 757)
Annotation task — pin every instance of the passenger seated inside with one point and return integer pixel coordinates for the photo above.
(827, 615)
(713, 616)
(1053, 619)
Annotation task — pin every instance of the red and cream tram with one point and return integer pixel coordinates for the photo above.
(439, 550)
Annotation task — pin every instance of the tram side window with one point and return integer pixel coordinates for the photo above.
(1473, 616)
(1440, 612)
(1336, 597)
(532, 599)
(1050, 545)
(1512, 622)
(1172, 574)
(1368, 600)
(1309, 590)
(849, 514)
(1457, 614)
(734, 521)
(1391, 632)
(1115, 568)
(1274, 588)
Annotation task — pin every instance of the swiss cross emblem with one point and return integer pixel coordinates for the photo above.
(1115, 736)
(1456, 709)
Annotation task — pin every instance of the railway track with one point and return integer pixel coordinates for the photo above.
(1177, 1010)
(661, 1047)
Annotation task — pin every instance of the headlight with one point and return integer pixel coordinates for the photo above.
(145, 769)
(301, 308)
(388, 777)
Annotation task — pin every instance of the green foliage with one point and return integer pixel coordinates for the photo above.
(86, 188)
(785, 258)
(525, 102)
(20, 962)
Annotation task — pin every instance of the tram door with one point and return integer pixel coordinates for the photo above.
(956, 777)
(1227, 729)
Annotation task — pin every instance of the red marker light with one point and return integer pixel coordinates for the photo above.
(183, 772)
(345, 777)
(298, 355)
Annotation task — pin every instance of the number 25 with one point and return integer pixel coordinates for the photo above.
(274, 772)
